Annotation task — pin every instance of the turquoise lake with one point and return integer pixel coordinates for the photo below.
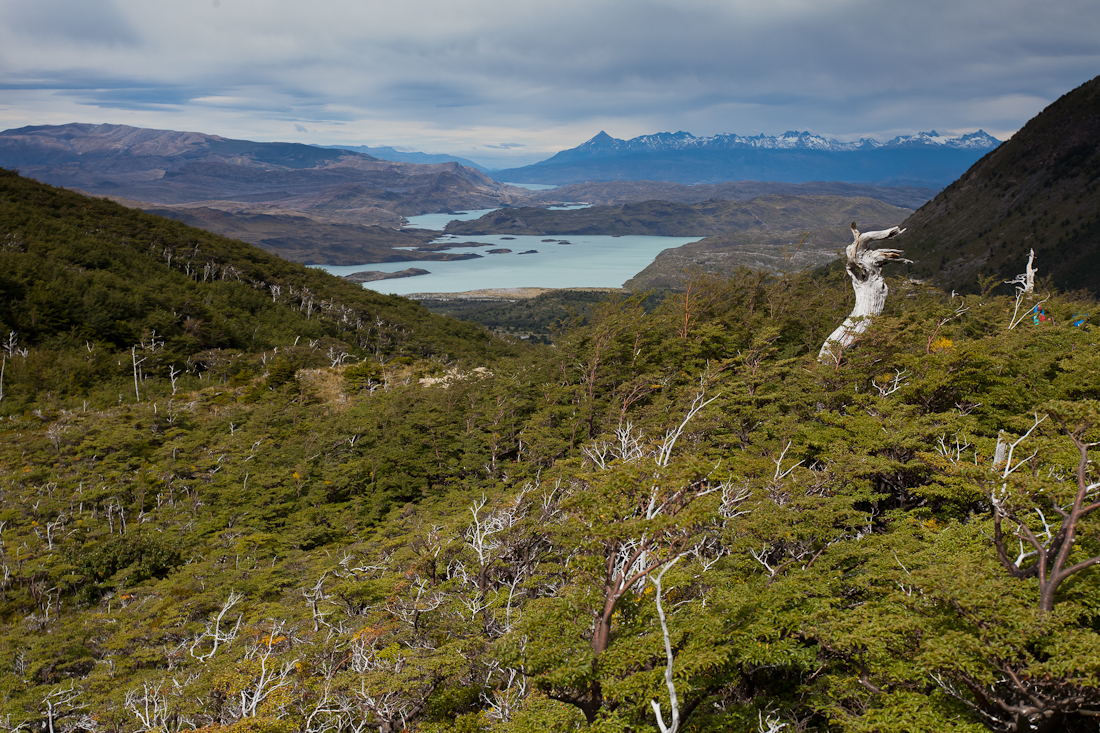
(581, 262)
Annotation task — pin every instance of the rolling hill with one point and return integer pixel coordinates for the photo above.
(170, 167)
(84, 282)
(305, 203)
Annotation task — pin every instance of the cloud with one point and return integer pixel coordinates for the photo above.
(81, 22)
(443, 76)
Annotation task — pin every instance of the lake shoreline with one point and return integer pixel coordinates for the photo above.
(505, 294)
(496, 261)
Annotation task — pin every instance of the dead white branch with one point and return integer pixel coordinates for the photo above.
(673, 703)
(214, 631)
(1025, 283)
(865, 268)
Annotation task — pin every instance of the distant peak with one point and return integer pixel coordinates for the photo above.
(603, 145)
(601, 141)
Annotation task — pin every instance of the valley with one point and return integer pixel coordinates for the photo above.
(341, 207)
(245, 495)
(227, 477)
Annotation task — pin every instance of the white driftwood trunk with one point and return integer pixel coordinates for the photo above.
(865, 268)
(1026, 283)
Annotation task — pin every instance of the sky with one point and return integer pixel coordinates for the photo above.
(510, 83)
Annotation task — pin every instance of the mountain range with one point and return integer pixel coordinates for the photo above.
(385, 152)
(305, 203)
(1038, 191)
(925, 159)
(603, 145)
(191, 168)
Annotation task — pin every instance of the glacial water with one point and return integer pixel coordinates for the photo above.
(532, 186)
(585, 262)
(437, 222)
(547, 261)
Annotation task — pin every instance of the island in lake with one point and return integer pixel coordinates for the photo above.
(369, 276)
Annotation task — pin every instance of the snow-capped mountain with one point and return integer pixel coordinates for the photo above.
(925, 159)
(791, 140)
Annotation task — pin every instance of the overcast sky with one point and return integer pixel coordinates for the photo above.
(513, 81)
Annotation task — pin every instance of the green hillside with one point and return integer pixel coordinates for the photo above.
(84, 282)
(443, 534)
(1040, 190)
(455, 549)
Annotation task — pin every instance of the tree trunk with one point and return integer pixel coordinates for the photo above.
(865, 269)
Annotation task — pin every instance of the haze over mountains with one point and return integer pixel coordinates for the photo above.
(925, 159)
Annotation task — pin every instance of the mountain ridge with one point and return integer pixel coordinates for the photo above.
(602, 143)
(177, 167)
(385, 152)
(926, 159)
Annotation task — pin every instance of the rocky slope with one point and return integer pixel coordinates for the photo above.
(1040, 190)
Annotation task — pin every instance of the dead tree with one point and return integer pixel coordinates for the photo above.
(1049, 548)
(673, 701)
(1025, 283)
(865, 268)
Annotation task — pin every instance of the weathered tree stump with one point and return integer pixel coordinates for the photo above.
(865, 268)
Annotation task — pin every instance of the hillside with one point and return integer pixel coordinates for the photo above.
(507, 549)
(664, 218)
(84, 280)
(170, 167)
(242, 495)
(923, 160)
(385, 152)
(1040, 190)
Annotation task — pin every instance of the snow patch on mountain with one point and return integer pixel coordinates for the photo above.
(604, 144)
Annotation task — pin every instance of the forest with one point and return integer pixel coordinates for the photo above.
(240, 494)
